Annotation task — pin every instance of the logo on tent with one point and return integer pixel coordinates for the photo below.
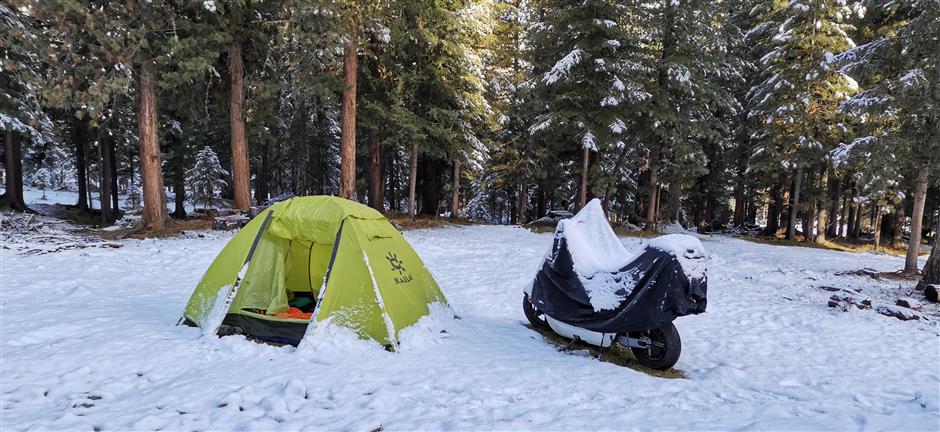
(399, 266)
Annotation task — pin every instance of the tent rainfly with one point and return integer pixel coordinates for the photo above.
(309, 259)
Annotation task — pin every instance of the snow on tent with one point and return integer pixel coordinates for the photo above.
(312, 259)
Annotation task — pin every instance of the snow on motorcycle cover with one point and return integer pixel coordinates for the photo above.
(590, 281)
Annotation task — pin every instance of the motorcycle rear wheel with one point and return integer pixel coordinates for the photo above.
(664, 349)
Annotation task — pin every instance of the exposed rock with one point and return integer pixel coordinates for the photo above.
(901, 313)
(910, 304)
(846, 301)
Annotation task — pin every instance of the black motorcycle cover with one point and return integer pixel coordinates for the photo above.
(667, 280)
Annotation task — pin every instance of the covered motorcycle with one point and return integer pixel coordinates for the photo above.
(590, 288)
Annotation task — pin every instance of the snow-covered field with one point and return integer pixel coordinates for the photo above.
(89, 342)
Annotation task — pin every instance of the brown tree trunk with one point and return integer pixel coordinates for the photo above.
(393, 176)
(822, 216)
(795, 204)
(930, 282)
(857, 226)
(376, 177)
(853, 215)
(432, 172)
(347, 183)
(654, 194)
(179, 190)
(835, 208)
(455, 192)
(876, 227)
(115, 199)
(241, 177)
(897, 226)
(582, 194)
(917, 220)
(264, 177)
(412, 179)
(523, 203)
(13, 159)
(154, 214)
(80, 139)
(104, 187)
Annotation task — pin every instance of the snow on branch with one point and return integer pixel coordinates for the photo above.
(563, 66)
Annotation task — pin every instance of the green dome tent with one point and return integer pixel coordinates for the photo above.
(331, 258)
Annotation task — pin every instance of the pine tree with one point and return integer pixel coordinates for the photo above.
(21, 115)
(900, 104)
(799, 95)
(205, 178)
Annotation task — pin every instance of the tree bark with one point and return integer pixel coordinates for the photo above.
(797, 184)
(80, 139)
(930, 282)
(822, 216)
(653, 192)
(897, 226)
(13, 159)
(432, 171)
(876, 227)
(582, 195)
(835, 208)
(104, 187)
(154, 214)
(347, 184)
(523, 203)
(455, 192)
(853, 215)
(412, 179)
(857, 227)
(376, 177)
(115, 199)
(241, 176)
(179, 190)
(917, 220)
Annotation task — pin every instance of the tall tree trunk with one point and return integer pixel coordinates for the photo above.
(653, 192)
(80, 139)
(835, 208)
(376, 177)
(455, 192)
(857, 226)
(739, 205)
(104, 186)
(917, 220)
(773, 211)
(795, 204)
(840, 229)
(179, 190)
(393, 177)
(523, 203)
(930, 282)
(347, 183)
(241, 177)
(876, 227)
(853, 215)
(822, 216)
(585, 166)
(264, 178)
(13, 159)
(115, 198)
(154, 214)
(432, 171)
(412, 179)
(897, 226)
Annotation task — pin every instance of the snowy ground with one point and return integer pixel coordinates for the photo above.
(89, 342)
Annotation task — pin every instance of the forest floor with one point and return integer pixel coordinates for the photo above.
(89, 341)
